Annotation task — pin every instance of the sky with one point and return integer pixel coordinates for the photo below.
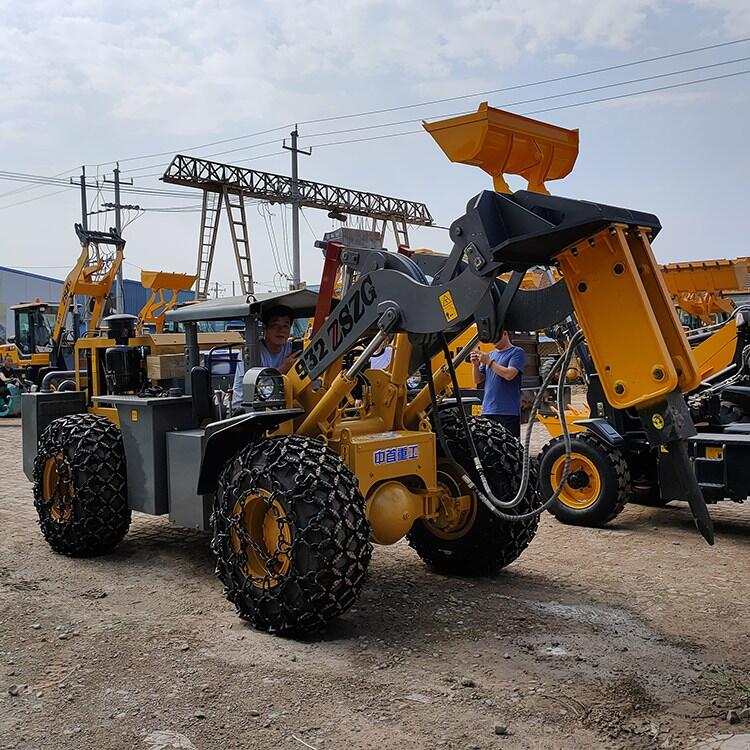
(87, 82)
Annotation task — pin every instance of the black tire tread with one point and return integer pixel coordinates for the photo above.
(492, 543)
(614, 505)
(331, 546)
(101, 517)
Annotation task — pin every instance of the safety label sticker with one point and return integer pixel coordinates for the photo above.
(449, 307)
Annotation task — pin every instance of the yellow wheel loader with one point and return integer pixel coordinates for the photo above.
(297, 487)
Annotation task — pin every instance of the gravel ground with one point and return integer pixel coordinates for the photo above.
(634, 636)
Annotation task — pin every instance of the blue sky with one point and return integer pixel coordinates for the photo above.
(89, 82)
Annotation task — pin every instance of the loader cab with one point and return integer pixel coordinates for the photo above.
(34, 328)
(215, 365)
(34, 324)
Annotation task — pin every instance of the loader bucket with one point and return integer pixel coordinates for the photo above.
(503, 143)
(165, 280)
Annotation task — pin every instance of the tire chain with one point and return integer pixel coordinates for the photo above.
(324, 513)
(501, 455)
(88, 451)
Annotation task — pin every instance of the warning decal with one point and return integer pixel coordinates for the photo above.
(449, 307)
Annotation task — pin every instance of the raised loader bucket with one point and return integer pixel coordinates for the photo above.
(503, 143)
(165, 280)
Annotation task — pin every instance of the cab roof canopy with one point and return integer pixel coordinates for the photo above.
(301, 301)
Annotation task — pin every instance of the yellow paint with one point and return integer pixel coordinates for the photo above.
(717, 351)
(698, 287)
(268, 551)
(159, 304)
(552, 422)
(58, 488)
(449, 306)
(582, 497)
(503, 143)
(715, 452)
(635, 339)
(133, 415)
(657, 420)
(391, 510)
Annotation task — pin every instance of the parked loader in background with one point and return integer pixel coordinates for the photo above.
(614, 462)
(296, 489)
(46, 332)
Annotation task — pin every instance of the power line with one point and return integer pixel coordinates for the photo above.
(35, 198)
(536, 99)
(384, 110)
(191, 148)
(31, 187)
(557, 79)
(42, 180)
(552, 109)
(235, 161)
(207, 156)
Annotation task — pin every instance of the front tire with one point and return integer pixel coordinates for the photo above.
(473, 541)
(598, 484)
(291, 539)
(80, 488)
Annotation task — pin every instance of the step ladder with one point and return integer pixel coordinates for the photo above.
(398, 226)
(235, 206)
(210, 214)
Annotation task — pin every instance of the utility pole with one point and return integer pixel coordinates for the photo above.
(84, 205)
(296, 281)
(119, 300)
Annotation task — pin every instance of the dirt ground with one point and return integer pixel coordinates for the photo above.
(635, 636)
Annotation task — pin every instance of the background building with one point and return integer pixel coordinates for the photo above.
(18, 286)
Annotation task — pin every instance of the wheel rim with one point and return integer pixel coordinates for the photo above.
(455, 517)
(57, 488)
(582, 488)
(261, 535)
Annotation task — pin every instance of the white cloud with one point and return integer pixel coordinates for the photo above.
(205, 65)
(735, 14)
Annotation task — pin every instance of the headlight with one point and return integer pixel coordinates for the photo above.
(265, 387)
(414, 381)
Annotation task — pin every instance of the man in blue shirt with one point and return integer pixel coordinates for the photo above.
(275, 349)
(501, 371)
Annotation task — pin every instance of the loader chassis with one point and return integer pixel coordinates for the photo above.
(297, 488)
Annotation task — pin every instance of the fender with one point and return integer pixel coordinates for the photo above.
(225, 438)
(603, 430)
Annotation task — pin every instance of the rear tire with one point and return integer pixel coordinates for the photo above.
(597, 487)
(291, 539)
(484, 544)
(80, 490)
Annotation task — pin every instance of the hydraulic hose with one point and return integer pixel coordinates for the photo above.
(494, 504)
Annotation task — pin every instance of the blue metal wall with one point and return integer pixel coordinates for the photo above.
(21, 286)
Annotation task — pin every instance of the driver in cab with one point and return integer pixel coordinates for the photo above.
(275, 349)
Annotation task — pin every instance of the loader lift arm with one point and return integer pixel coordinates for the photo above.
(92, 276)
(604, 254)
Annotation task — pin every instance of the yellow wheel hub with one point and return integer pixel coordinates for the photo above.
(457, 509)
(584, 483)
(57, 488)
(263, 534)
